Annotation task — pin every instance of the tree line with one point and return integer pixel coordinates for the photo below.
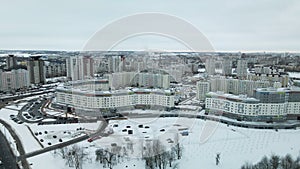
(275, 162)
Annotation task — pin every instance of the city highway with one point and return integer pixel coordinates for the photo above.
(6, 155)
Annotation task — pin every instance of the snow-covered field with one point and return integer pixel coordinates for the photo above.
(236, 145)
(294, 74)
(63, 131)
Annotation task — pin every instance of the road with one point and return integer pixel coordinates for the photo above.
(99, 132)
(6, 155)
(19, 144)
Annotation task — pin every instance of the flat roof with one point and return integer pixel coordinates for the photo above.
(231, 97)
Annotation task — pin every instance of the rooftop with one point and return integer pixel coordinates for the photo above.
(238, 98)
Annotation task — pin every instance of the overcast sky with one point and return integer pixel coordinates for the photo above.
(230, 25)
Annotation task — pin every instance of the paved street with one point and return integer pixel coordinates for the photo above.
(19, 144)
(6, 155)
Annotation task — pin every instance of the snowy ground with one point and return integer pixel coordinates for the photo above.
(294, 74)
(63, 131)
(236, 145)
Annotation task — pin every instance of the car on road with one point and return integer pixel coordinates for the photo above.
(93, 138)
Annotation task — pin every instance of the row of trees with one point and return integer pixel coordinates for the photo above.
(110, 157)
(154, 153)
(74, 156)
(275, 162)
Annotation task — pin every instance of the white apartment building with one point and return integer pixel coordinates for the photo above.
(116, 64)
(268, 102)
(282, 78)
(227, 103)
(236, 86)
(153, 80)
(227, 67)
(80, 67)
(210, 66)
(14, 79)
(55, 69)
(82, 97)
(148, 80)
(202, 89)
(120, 79)
(241, 69)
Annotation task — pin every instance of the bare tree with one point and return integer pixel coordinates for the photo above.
(264, 163)
(178, 147)
(109, 157)
(156, 155)
(287, 162)
(274, 161)
(218, 158)
(74, 156)
(247, 166)
(171, 156)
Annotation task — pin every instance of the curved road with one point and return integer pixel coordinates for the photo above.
(19, 144)
(6, 155)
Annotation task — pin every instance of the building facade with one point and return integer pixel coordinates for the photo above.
(14, 79)
(202, 89)
(55, 69)
(84, 97)
(11, 61)
(210, 66)
(241, 69)
(116, 64)
(35, 67)
(236, 86)
(282, 78)
(148, 80)
(268, 103)
(80, 67)
(227, 67)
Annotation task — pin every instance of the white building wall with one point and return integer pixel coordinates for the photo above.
(262, 109)
(113, 101)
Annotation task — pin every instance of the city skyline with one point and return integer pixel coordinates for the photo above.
(228, 25)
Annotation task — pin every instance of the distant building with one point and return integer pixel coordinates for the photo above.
(80, 67)
(54, 69)
(35, 67)
(283, 78)
(147, 80)
(153, 80)
(116, 64)
(210, 66)
(11, 61)
(236, 86)
(202, 89)
(227, 67)
(268, 70)
(120, 79)
(241, 69)
(14, 79)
